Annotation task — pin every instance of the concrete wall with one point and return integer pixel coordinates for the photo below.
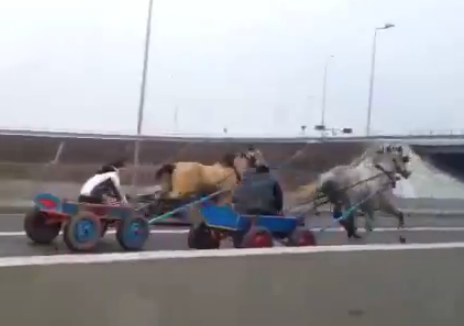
(24, 157)
(383, 288)
(24, 168)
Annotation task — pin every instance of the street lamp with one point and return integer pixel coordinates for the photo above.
(371, 83)
(176, 112)
(142, 88)
(144, 69)
(324, 89)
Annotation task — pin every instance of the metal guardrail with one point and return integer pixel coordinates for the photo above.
(237, 138)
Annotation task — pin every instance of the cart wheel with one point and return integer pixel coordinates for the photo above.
(133, 233)
(82, 232)
(36, 228)
(258, 237)
(201, 237)
(301, 237)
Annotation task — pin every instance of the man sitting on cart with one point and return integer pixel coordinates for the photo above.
(104, 186)
(259, 191)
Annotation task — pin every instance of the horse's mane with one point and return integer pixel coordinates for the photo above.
(228, 160)
(360, 158)
(367, 154)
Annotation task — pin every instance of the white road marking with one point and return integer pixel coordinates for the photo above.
(331, 230)
(168, 231)
(190, 254)
(411, 229)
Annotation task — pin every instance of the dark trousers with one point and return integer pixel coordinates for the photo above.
(347, 223)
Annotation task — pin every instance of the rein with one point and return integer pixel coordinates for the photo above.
(389, 174)
(237, 175)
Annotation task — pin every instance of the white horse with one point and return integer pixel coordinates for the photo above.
(367, 183)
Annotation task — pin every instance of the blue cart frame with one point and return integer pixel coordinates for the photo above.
(83, 224)
(247, 231)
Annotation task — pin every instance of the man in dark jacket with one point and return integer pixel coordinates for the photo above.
(259, 193)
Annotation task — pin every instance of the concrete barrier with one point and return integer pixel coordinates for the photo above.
(381, 288)
(16, 196)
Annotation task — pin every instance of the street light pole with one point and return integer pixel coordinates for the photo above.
(324, 90)
(176, 111)
(142, 88)
(372, 76)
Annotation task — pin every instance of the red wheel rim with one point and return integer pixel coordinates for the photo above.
(307, 239)
(261, 241)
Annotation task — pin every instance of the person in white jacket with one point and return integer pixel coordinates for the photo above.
(103, 185)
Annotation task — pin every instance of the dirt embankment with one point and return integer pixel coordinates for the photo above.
(27, 157)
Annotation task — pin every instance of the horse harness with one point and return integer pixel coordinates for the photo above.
(237, 175)
(391, 175)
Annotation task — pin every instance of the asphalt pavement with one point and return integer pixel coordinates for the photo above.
(386, 287)
(13, 241)
(358, 288)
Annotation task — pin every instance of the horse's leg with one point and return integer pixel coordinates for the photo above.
(369, 219)
(194, 215)
(387, 205)
(391, 209)
(225, 199)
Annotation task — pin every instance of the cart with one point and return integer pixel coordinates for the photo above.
(247, 231)
(83, 224)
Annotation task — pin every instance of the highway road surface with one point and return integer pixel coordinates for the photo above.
(13, 242)
(324, 286)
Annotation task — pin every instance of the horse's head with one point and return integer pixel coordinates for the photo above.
(242, 161)
(254, 158)
(393, 159)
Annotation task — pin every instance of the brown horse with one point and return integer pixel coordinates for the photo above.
(182, 180)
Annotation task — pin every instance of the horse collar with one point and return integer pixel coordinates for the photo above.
(237, 175)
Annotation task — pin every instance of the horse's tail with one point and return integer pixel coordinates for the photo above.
(328, 189)
(307, 193)
(308, 190)
(165, 170)
(320, 191)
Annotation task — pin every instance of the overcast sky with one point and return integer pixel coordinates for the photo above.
(253, 66)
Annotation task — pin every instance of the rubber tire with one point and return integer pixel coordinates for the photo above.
(37, 230)
(68, 232)
(297, 236)
(124, 225)
(200, 237)
(248, 239)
